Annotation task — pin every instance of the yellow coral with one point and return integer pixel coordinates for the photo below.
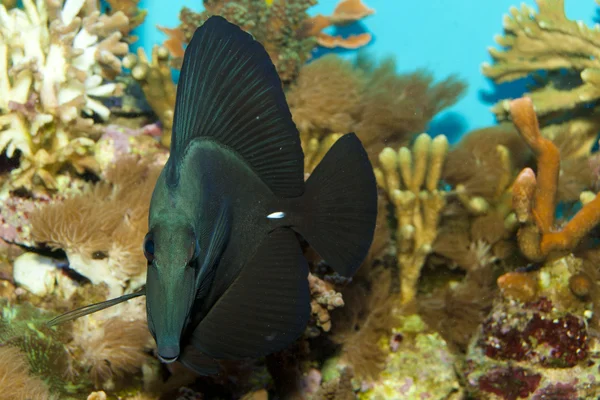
(417, 203)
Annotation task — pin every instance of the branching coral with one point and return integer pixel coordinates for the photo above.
(101, 229)
(547, 40)
(133, 13)
(332, 95)
(53, 59)
(535, 195)
(417, 203)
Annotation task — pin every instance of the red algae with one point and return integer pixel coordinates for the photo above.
(510, 383)
(556, 342)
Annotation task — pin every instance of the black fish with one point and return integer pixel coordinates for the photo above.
(226, 275)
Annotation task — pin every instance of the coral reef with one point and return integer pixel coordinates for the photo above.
(54, 57)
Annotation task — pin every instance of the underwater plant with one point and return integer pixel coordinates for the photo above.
(54, 60)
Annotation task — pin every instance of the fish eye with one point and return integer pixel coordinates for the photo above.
(149, 246)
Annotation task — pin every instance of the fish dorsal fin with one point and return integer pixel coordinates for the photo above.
(265, 309)
(229, 92)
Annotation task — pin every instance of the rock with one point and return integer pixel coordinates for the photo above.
(36, 273)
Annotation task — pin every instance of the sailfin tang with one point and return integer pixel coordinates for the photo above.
(265, 309)
(229, 91)
(92, 308)
(340, 206)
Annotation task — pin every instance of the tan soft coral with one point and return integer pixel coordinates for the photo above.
(101, 229)
(332, 95)
(54, 57)
(16, 382)
(110, 349)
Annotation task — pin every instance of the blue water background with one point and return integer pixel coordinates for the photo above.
(447, 37)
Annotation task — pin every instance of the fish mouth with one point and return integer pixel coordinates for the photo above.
(168, 354)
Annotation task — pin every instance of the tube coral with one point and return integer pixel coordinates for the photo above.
(54, 57)
(534, 195)
(410, 178)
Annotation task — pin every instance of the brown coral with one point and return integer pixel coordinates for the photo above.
(16, 383)
(110, 349)
(381, 106)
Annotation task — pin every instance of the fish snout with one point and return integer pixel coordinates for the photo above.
(168, 354)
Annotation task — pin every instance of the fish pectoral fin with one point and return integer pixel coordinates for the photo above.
(218, 242)
(229, 92)
(198, 362)
(92, 308)
(265, 309)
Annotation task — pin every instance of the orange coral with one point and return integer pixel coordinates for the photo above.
(534, 196)
(351, 42)
(346, 12)
(518, 285)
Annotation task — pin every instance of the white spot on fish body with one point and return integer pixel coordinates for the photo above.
(276, 215)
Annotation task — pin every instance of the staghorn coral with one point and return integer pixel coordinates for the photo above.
(101, 229)
(333, 95)
(534, 196)
(417, 203)
(547, 40)
(54, 57)
(15, 379)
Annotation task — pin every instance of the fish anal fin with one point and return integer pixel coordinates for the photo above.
(229, 91)
(265, 309)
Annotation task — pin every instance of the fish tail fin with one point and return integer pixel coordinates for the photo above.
(340, 206)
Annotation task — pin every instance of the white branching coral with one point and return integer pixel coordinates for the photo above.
(54, 59)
